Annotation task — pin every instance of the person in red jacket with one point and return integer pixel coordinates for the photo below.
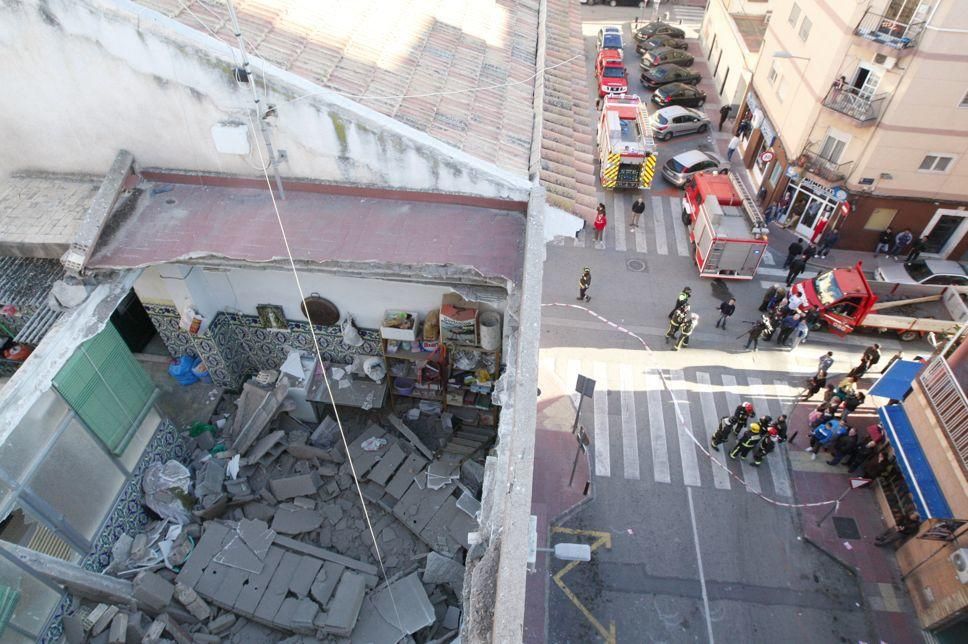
(600, 222)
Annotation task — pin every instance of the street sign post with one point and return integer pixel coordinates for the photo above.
(582, 439)
(856, 482)
(585, 387)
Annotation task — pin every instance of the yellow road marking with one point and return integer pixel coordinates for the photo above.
(601, 539)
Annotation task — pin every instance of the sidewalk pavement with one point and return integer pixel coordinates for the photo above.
(551, 497)
(847, 535)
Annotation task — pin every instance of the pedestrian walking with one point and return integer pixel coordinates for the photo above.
(809, 252)
(858, 371)
(829, 239)
(600, 222)
(917, 247)
(884, 241)
(904, 528)
(745, 127)
(851, 404)
(787, 325)
(685, 330)
(765, 446)
(817, 382)
(676, 320)
(844, 447)
(825, 362)
(682, 300)
(799, 334)
(794, 249)
(757, 330)
(638, 207)
(846, 387)
(770, 213)
(723, 115)
(797, 266)
(872, 355)
(901, 242)
(726, 309)
(731, 148)
(584, 283)
(747, 441)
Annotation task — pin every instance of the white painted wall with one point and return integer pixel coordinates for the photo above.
(243, 289)
(84, 78)
(722, 44)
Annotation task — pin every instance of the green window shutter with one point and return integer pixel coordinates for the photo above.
(106, 387)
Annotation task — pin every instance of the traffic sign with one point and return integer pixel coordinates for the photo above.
(767, 156)
(585, 386)
(858, 482)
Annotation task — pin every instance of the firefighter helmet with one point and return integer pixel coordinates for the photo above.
(687, 290)
(755, 428)
(748, 407)
(773, 431)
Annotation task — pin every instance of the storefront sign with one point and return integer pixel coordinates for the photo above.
(840, 194)
(769, 133)
(766, 157)
(792, 173)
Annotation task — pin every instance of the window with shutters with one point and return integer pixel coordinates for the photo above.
(964, 101)
(794, 14)
(935, 163)
(106, 387)
(805, 27)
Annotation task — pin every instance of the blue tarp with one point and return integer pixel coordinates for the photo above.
(917, 471)
(896, 383)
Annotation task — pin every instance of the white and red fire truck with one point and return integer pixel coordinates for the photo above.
(626, 148)
(728, 233)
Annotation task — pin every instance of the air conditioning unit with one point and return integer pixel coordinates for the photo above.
(960, 561)
(885, 61)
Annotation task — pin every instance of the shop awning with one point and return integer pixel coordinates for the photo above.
(896, 381)
(914, 464)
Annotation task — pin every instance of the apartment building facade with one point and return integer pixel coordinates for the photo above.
(859, 117)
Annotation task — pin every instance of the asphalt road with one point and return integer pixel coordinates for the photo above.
(697, 553)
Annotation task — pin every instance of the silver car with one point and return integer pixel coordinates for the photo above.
(675, 119)
(936, 272)
(681, 167)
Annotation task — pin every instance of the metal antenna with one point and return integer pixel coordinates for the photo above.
(273, 160)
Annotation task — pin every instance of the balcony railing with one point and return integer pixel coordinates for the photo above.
(848, 102)
(949, 402)
(824, 168)
(888, 31)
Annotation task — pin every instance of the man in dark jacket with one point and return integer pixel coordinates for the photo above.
(844, 447)
(797, 266)
(917, 247)
(884, 241)
(827, 242)
(787, 325)
(759, 327)
(793, 250)
(905, 527)
(726, 309)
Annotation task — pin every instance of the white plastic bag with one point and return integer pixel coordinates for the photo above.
(351, 336)
(374, 368)
(167, 490)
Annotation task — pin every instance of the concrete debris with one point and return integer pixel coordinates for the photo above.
(344, 607)
(153, 591)
(451, 619)
(88, 621)
(410, 436)
(293, 486)
(325, 582)
(291, 519)
(326, 435)
(263, 447)
(154, 632)
(104, 620)
(257, 535)
(326, 555)
(309, 452)
(119, 629)
(472, 475)
(190, 600)
(444, 570)
(238, 488)
(256, 408)
(469, 504)
(221, 623)
(210, 479)
(258, 511)
(395, 612)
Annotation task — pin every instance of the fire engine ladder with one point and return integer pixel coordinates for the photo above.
(749, 205)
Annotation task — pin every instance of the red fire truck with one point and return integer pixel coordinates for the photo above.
(728, 233)
(626, 149)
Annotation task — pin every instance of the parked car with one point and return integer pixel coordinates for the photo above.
(938, 272)
(671, 121)
(665, 74)
(610, 37)
(657, 28)
(610, 73)
(679, 94)
(664, 56)
(681, 167)
(660, 41)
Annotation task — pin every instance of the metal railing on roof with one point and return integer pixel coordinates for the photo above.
(849, 102)
(888, 31)
(823, 167)
(949, 403)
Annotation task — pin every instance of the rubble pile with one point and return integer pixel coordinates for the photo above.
(262, 537)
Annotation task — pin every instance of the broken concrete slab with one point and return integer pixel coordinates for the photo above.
(328, 555)
(220, 583)
(174, 629)
(275, 593)
(257, 510)
(190, 600)
(326, 434)
(211, 542)
(304, 576)
(388, 464)
(395, 612)
(236, 554)
(257, 535)
(469, 504)
(119, 628)
(290, 519)
(417, 507)
(409, 435)
(293, 486)
(444, 570)
(254, 422)
(104, 619)
(309, 452)
(344, 607)
(222, 623)
(255, 585)
(303, 617)
(152, 591)
(472, 475)
(210, 478)
(238, 488)
(325, 582)
(403, 478)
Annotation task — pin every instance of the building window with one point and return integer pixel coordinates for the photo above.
(964, 101)
(935, 163)
(880, 218)
(805, 29)
(771, 77)
(794, 14)
(833, 146)
(775, 175)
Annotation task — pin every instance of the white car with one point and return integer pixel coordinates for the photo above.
(610, 37)
(936, 272)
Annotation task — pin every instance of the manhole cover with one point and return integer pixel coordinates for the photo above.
(846, 528)
(635, 265)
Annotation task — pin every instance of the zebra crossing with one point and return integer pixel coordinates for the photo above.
(660, 230)
(638, 433)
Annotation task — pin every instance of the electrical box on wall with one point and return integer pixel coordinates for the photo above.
(231, 137)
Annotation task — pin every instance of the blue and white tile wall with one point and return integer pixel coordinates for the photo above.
(235, 346)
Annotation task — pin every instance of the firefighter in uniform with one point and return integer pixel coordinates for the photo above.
(685, 330)
(747, 441)
(781, 428)
(584, 282)
(766, 445)
(678, 318)
(733, 424)
(682, 300)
